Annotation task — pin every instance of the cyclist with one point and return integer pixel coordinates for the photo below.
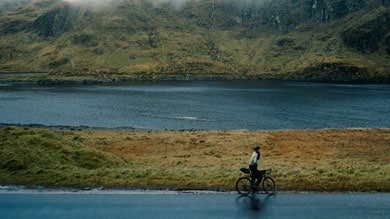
(256, 175)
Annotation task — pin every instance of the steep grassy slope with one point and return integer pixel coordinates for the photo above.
(42, 157)
(140, 39)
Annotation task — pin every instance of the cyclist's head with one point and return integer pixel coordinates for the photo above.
(256, 148)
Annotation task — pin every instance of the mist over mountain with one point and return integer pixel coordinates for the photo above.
(12, 3)
(93, 2)
(324, 40)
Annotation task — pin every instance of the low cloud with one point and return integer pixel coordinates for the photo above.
(89, 3)
(104, 3)
(93, 3)
(15, 2)
(176, 3)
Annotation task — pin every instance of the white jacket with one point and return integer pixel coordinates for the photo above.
(253, 159)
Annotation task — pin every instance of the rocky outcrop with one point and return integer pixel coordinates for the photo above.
(13, 26)
(365, 38)
(87, 40)
(335, 72)
(58, 62)
(54, 22)
(387, 43)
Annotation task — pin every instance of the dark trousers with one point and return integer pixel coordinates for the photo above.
(256, 174)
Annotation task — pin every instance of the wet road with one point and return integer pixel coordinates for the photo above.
(193, 205)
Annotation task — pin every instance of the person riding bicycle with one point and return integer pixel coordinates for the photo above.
(256, 174)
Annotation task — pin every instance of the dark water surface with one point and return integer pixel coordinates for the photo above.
(199, 105)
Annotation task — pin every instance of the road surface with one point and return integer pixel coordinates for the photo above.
(125, 204)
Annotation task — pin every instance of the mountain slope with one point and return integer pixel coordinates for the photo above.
(324, 40)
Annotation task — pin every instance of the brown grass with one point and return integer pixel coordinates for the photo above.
(317, 160)
(329, 159)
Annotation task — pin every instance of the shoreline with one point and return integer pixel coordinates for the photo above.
(129, 128)
(24, 78)
(19, 189)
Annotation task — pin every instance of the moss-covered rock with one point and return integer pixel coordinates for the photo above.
(365, 38)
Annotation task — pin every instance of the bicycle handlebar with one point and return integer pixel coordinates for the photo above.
(247, 171)
(267, 171)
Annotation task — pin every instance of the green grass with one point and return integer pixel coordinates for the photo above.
(137, 38)
(315, 160)
(37, 156)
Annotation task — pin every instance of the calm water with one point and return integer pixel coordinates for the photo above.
(199, 105)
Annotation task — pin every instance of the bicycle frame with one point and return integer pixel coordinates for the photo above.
(264, 173)
(245, 185)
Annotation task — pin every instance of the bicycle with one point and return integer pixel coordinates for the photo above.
(246, 185)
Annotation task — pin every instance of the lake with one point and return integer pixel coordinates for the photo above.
(199, 105)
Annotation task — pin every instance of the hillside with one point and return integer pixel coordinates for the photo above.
(322, 40)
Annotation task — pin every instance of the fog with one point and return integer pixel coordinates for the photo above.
(93, 3)
(175, 3)
(103, 3)
(14, 2)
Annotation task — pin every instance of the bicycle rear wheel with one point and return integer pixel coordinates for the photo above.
(243, 185)
(269, 185)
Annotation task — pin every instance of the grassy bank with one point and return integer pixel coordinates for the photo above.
(318, 160)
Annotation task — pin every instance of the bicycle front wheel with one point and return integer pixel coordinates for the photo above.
(269, 185)
(244, 185)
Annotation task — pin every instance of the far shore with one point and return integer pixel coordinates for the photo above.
(46, 78)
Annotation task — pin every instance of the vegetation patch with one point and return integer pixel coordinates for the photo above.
(365, 38)
(336, 72)
(316, 160)
(88, 40)
(58, 62)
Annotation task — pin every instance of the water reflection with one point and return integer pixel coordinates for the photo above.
(252, 205)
